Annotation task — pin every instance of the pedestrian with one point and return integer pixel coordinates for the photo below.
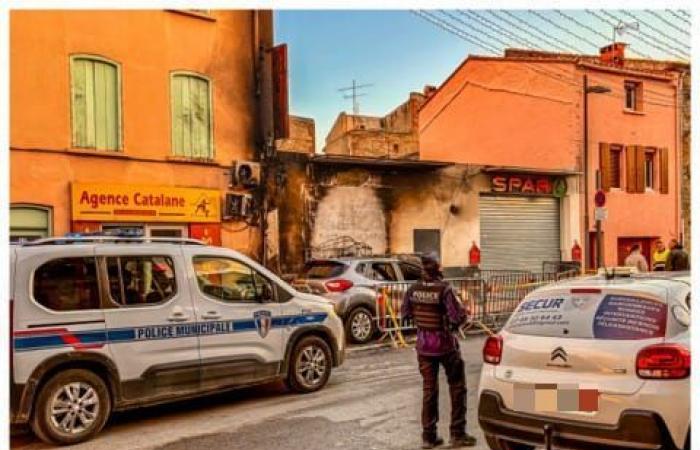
(678, 258)
(437, 313)
(636, 259)
(659, 257)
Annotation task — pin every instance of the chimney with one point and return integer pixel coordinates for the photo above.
(613, 54)
(429, 90)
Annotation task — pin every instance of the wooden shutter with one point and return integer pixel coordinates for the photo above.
(631, 168)
(191, 116)
(605, 163)
(663, 172)
(641, 159)
(95, 104)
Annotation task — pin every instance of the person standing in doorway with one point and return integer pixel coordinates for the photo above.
(659, 257)
(437, 313)
(636, 259)
(678, 258)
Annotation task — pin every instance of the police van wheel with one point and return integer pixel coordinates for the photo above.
(500, 444)
(360, 326)
(310, 366)
(71, 407)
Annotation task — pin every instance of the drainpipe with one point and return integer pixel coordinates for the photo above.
(586, 218)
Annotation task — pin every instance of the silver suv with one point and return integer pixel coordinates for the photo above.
(350, 284)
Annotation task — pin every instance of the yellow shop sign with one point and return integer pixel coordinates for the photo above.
(143, 203)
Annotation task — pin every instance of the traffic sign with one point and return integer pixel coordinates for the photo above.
(601, 213)
(599, 199)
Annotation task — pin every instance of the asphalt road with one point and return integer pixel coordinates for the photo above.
(371, 402)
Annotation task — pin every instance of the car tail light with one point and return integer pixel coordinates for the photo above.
(663, 362)
(339, 285)
(493, 348)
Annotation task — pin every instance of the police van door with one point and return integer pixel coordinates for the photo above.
(239, 343)
(150, 319)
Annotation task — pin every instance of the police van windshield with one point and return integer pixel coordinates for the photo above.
(590, 316)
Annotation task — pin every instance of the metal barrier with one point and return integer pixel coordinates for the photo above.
(489, 299)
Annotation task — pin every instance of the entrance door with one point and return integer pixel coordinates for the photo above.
(624, 246)
(166, 231)
(426, 241)
(519, 232)
(240, 337)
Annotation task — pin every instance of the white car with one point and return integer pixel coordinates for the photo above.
(594, 363)
(106, 324)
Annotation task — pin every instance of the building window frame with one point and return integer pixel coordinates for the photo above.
(616, 152)
(633, 95)
(650, 162)
(48, 210)
(211, 150)
(119, 125)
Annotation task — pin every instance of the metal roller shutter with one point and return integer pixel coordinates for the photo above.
(518, 232)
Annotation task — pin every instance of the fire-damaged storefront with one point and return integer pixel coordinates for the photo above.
(520, 221)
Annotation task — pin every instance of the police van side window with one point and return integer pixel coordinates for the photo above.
(67, 284)
(231, 281)
(141, 280)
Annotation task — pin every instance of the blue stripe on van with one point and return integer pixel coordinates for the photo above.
(41, 339)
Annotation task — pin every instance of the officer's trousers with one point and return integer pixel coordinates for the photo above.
(454, 369)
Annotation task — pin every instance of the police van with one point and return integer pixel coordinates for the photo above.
(102, 324)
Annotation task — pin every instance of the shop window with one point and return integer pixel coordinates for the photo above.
(141, 280)
(231, 281)
(95, 103)
(633, 95)
(67, 284)
(190, 98)
(29, 222)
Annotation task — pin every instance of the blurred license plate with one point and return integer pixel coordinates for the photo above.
(555, 397)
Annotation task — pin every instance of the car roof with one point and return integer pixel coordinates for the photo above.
(651, 280)
(350, 259)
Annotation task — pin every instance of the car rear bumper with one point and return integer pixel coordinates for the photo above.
(636, 429)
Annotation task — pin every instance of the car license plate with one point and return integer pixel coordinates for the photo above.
(542, 397)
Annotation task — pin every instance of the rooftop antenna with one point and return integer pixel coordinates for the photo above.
(622, 27)
(354, 89)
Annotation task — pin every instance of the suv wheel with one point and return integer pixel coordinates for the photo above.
(360, 326)
(71, 407)
(310, 366)
(501, 444)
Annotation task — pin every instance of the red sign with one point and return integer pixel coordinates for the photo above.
(209, 233)
(522, 184)
(599, 199)
(280, 103)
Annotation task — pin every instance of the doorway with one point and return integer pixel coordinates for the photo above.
(426, 241)
(624, 245)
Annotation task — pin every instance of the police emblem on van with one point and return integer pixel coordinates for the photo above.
(263, 322)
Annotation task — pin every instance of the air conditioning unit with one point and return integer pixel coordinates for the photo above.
(239, 206)
(246, 174)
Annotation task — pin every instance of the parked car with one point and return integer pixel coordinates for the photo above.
(350, 284)
(100, 325)
(593, 363)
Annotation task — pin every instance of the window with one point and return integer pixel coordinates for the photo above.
(633, 95)
(190, 99)
(411, 272)
(67, 284)
(95, 103)
(141, 280)
(615, 166)
(382, 271)
(320, 269)
(649, 169)
(231, 281)
(29, 222)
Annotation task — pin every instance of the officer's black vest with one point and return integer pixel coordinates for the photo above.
(428, 308)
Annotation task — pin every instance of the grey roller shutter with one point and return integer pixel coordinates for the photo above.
(519, 232)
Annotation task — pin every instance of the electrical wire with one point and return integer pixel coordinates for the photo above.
(670, 48)
(489, 23)
(549, 36)
(559, 27)
(662, 19)
(450, 29)
(651, 27)
(678, 16)
(457, 19)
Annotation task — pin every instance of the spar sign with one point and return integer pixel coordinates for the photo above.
(143, 203)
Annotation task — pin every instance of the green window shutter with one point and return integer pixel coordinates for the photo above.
(28, 222)
(191, 116)
(95, 104)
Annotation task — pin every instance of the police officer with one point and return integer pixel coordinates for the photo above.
(437, 313)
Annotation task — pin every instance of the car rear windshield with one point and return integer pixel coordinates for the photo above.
(592, 316)
(322, 269)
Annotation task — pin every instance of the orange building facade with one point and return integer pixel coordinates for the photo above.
(137, 119)
(523, 115)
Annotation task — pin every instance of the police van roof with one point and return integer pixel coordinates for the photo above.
(71, 240)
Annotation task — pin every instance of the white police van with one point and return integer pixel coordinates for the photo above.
(101, 324)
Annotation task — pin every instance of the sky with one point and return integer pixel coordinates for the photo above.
(399, 51)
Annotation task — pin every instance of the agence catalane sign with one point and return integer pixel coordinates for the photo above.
(143, 203)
